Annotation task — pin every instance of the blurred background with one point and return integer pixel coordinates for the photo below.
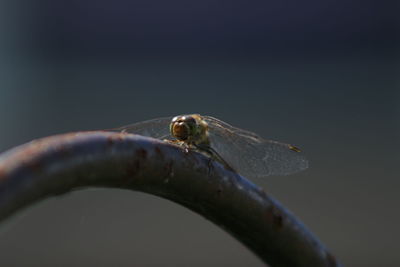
(323, 75)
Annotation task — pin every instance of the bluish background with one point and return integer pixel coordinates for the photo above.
(323, 75)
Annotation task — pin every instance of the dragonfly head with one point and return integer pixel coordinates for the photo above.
(187, 128)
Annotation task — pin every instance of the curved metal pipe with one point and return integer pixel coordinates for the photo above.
(58, 164)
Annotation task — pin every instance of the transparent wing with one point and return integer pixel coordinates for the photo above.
(251, 155)
(156, 128)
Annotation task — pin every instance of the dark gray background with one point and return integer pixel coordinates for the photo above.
(323, 75)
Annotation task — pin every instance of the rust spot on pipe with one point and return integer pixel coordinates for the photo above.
(275, 217)
(112, 139)
(141, 154)
(134, 166)
(35, 165)
(30, 151)
(158, 152)
(64, 151)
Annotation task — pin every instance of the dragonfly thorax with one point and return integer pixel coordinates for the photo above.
(191, 129)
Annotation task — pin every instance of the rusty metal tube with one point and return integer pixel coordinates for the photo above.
(58, 164)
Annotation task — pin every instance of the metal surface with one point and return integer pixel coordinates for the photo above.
(59, 164)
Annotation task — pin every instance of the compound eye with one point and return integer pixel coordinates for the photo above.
(175, 119)
(180, 130)
(189, 120)
(183, 127)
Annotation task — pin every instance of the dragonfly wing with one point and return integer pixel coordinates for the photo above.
(250, 154)
(156, 128)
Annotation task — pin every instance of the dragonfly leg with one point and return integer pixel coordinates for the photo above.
(214, 156)
(179, 143)
(209, 166)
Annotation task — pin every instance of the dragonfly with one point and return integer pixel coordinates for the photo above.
(238, 150)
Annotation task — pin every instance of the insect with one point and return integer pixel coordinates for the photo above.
(239, 150)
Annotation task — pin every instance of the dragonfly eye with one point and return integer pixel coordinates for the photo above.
(190, 120)
(183, 127)
(180, 130)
